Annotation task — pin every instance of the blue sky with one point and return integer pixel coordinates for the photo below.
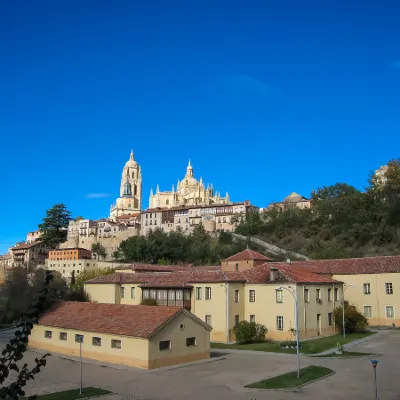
(265, 98)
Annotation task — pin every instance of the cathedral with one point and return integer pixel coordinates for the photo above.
(130, 200)
(188, 192)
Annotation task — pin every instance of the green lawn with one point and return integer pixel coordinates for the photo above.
(74, 394)
(290, 380)
(346, 354)
(308, 347)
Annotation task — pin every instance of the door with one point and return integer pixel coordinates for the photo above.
(318, 324)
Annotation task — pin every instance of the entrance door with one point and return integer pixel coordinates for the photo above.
(318, 324)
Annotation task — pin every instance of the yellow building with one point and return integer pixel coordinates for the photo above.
(222, 297)
(136, 336)
(372, 284)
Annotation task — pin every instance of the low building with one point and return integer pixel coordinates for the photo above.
(244, 260)
(294, 200)
(137, 336)
(372, 284)
(29, 255)
(222, 297)
(70, 261)
(215, 217)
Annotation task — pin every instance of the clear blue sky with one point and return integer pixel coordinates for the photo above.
(265, 97)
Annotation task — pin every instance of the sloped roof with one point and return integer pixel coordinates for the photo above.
(114, 319)
(247, 254)
(23, 245)
(294, 198)
(352, 266)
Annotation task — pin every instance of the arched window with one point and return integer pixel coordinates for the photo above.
(167, 202)
(135, 190)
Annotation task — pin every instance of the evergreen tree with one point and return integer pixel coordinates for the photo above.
(54, 227)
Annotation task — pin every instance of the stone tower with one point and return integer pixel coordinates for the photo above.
(130, 200)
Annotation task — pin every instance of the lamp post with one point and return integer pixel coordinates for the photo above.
(79, 339)
(344, 326)
(292, 291)
(374, 365)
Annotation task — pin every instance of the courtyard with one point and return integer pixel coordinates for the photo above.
(225, 375)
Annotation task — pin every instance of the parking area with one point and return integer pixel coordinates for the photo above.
(224, 378)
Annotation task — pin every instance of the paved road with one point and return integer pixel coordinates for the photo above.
(226, 378)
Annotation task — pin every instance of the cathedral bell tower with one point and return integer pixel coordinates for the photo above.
(130, 200)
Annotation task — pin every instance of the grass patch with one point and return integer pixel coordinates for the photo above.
(309, 347)
(346, 354)
(74, 394)
(290, 380)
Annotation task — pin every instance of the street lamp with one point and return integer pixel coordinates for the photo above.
(292, 291)
(374, 365)
(79, 339)
(344, 327)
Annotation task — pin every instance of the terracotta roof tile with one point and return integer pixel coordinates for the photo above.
(169, 268)
(247, 255)
(108, 318)
(351, 266)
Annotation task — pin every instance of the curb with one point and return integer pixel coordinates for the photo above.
(344, 358)
(293, 389)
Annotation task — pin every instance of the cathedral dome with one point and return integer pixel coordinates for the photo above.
(131, 163)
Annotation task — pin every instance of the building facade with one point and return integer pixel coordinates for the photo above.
(29, 254)
(294, 200)
(189, 192)
(130, 200)
(165, 336)
(32, 236)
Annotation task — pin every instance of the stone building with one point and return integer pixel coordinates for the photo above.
(217, 217)
(130, 200)
(29, 254)
(188, 192)
(294, 200)
(32, 236)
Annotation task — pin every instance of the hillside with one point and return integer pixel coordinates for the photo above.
(342, 221)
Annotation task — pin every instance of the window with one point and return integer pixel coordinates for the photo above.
(236, 296)
(389, 288)
(336, 294)
(133, 293)
(63, 335)
(329, 294)
(199, 293)
(368, 311)
(190, 341)
(96, 341)
(208, 320)
(367, 288)
(48, 334)
(115, 344)
(79, 338)
(208, 293)
(330, 319)
(237, 320)
(306, 295)
(122, 292)
(318, 294)
(389, 312)
(252, 318)
(279, 296)
(164, 345)
(279, 323)
(236, 267)
(252, 296)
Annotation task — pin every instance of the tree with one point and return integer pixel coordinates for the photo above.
(353, 319)
(54, 226)
(99, 249)
(72, 278)
(15, 349)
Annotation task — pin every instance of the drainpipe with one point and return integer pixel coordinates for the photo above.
(227, 312)
(305, 312)
(377, 299)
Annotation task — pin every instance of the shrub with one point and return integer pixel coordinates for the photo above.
(248, 332)
(149, 302)
(354, 320)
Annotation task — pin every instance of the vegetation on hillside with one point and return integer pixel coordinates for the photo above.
(176, 247)
(342, 221)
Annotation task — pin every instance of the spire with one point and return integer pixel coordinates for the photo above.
(189, 165)
(132, 157)
(151, 192)
(227, 196)
(173, 189)
(189, 169)
(158, 188)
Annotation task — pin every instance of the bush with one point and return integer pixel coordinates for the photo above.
(248, 332)
(353, 319)
(149, 302)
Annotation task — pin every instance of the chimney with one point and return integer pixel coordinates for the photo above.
(273, 273)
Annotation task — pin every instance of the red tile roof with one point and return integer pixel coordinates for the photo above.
(114, 319)
(247, 255)
(351, 266)
(23, 245)
(169, 268)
